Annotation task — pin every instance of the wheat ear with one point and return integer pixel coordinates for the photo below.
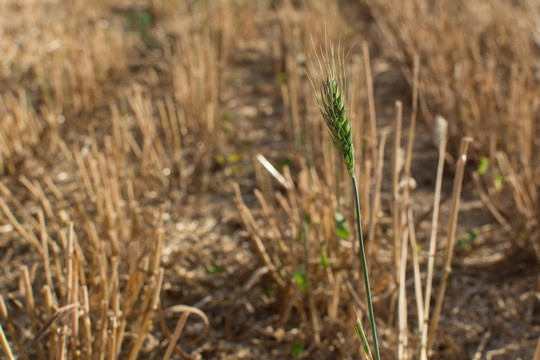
(332, 106)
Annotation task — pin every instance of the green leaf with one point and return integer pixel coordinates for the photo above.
(341, 225)
(484, 164)
(359, 330)
(145, 20)
(271, 290)
(468, 237)
(282, 78)
(214, 269)
(349, 30)
(297, 348)
(234, 158)
(324, 259)
(221, 160)
(230, 159)
(498, 182)
(286, 161)
(301, 279)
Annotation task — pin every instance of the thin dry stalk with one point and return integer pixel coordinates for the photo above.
(5, 344)
(277, 234)
(156, 261)
(151, 302)
(113, 325)
(17, 205)
(133, 288)
(376, 199)
(481, 347)
(416, 268)
(28, 292)
(30, 305)
(36, 190)
(173, 338)
(87, 323)
(176, 335)
(250, 222)
(451, 239)
(396, 198)
(114, 287)
(525, 199)
(60, 314)
(402, 299)
(537, 351)
(486, 199)
(396, 205)
(102, 332)
(314, 314)
(72, 282)
(61, 349)
(10, 327)
(412, 126)
(371, 102)
(44, 244)
(28, 236)
(274, 172)
(49, 311)
(400, 236)
(441, 133)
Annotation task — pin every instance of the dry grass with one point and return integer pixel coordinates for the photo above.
(134, 224)
(90, 149)
(483, 79)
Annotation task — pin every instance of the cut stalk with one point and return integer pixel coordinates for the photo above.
(5, 344)
(451, 239)
(441, 140)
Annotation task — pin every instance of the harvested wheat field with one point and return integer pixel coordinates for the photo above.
(171, 189)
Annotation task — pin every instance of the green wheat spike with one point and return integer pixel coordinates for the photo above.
(332, 107)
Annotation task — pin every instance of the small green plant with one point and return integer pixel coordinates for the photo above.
(297, 348)
(144, 21)
(231, 161)
(341, 225)
(468, 238)
(324, 256)
(332, 87)
(301, 280)
(483, 166)
(214, 269)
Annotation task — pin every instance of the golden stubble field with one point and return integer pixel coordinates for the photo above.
(168, 188)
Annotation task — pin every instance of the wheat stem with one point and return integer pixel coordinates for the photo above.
(365, 270)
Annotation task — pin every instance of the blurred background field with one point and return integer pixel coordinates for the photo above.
(168, 189)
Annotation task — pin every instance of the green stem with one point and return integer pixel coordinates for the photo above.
(364, 266)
